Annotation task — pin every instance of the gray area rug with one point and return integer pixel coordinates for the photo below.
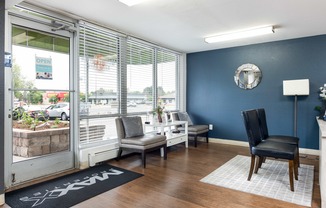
(271, 181)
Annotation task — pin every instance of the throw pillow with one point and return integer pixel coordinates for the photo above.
(183, 116)
(133, 126)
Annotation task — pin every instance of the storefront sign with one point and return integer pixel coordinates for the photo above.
(43, 68)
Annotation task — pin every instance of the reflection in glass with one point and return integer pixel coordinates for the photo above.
(247, 76)
(40, 79)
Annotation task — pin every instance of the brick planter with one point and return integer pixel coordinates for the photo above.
(28, 143)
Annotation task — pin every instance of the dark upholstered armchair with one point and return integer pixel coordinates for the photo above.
(267, 148)
(131, 137)
(276, 138)
(193, 130)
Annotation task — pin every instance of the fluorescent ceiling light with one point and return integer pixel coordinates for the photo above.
(240, 34)
(131, 2)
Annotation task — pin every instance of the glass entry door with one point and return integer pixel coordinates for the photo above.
(41, 93)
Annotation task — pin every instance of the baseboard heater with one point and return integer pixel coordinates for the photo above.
(97, 157)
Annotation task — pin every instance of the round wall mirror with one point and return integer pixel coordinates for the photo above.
(247, 76)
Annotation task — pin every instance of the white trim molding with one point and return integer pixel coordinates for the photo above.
(2, 199)
(245, 144)
(183, 82)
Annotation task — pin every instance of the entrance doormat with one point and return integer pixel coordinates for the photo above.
(71, 189)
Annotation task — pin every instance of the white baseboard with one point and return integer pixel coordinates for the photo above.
(245, 144)
(2, 199)
(229, 142)
(309, 151)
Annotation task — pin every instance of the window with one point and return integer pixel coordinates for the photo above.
(140, 82)
(98, 82)
(121, 76)
(35, 39)
(98, 70)
(167, 64)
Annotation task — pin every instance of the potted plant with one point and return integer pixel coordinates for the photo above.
(322, 97)
(159, 112)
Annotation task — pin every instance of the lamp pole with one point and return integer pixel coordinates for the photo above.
(295, 114)
(295, 88)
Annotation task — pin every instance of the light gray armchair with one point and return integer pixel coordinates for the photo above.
(131, 137)
(193, 130)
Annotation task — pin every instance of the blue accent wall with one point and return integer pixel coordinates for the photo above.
(214, 98)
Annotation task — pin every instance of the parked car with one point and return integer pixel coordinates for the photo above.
(32, 111)
(38, 112)
(62, 110)
(140, 101)
(131, 104)
(17, 113)
(20, 104)
(59, 110)
(83, 109)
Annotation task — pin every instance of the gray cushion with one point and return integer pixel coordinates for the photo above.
(133, 126)
(183, 116)
(195, 128)
(146, 139)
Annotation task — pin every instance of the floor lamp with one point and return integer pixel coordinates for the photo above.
(298, 87)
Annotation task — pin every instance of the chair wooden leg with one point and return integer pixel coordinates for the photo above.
(298, 156)
(291, 167)
(258, 163)
(261, 161)
(252, 165)
(296, 164)
(206, 137)
(165, 152)
(195, 140)
(143, 157)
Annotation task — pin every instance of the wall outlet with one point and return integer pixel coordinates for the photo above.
(210, 126)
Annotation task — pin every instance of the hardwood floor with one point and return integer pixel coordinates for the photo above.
(175, 182)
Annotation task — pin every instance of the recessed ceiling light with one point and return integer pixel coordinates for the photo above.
(131, 2)
(240, 34)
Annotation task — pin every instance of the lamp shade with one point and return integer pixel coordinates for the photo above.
(296, 87)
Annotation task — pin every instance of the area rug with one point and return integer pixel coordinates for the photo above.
(72, 189)
(272, 180)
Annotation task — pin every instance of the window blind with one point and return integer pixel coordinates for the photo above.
(140, 82)
(121, 76)
(98, 81)
(99, 68)
(167, 65)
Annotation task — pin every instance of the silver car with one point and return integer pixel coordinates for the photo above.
(59, 110)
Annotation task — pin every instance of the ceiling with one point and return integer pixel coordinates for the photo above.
(181, 25)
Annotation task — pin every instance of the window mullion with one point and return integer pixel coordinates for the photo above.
(122, 78)
(155, 94)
